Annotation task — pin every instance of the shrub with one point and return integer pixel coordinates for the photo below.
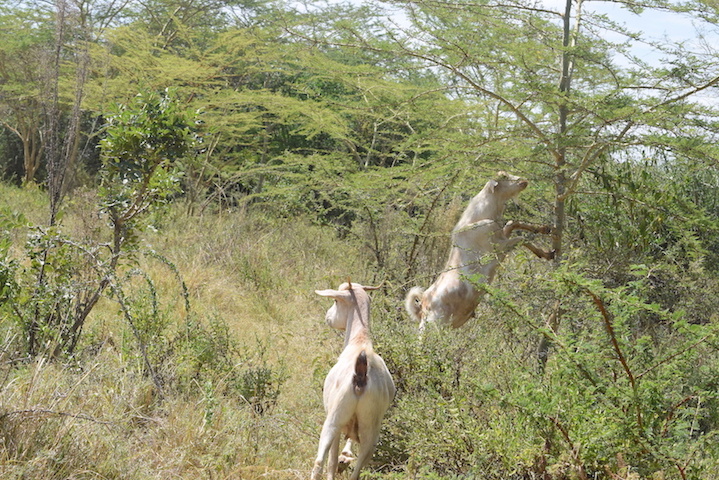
(613, 400)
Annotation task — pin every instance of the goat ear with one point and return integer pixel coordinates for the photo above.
(327, 293)
(334, 293)
(367, 289)
(492, 184)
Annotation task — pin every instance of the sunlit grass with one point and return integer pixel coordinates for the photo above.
(100, 417)
(469, 400)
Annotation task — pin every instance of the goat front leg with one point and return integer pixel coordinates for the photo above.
(512, 226)
(545, 254)
(503, 244)
(543, 229)
(346, 456)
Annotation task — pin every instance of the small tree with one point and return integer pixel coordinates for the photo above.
(143, 140)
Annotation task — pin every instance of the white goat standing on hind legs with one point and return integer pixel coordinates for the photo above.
(479, 243)
(359, 389)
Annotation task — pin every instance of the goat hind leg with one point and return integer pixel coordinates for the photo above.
(333, 461)
(365, 454)
(329, 440)
(369, 435)
(346, 455)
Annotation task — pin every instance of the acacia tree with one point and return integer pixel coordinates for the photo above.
(44, 62)
(555, 86)
(552, 96)
(23, 57)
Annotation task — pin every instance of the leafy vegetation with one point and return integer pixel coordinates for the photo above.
(180, 176)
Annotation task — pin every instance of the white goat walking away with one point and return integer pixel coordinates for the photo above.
(359, 389)
(479, 244)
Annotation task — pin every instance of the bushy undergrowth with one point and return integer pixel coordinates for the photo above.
(175, 373)
(612, 401)
(209, 362)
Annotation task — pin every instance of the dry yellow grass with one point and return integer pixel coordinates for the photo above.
(100, 417)
(470, 400)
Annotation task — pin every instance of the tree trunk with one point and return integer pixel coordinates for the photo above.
(569, 36)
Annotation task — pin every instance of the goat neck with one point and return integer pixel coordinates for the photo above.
(489, 203)
(484, 206)
(357, 330)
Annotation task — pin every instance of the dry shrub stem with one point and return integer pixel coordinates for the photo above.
(35, 412)
(609, 326)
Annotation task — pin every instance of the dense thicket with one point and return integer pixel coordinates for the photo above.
(376, 123)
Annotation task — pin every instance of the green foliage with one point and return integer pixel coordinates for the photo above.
(259, 383)
(624, 381)
(142, 143)
(380, 133)
(662, 214)
(51, 290)
(65, 277)
(619, 395)
(181, 356)
(629, 387)
(26, 39)
(8, 266)
(651, 213)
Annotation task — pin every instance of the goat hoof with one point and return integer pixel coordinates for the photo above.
(344, 463)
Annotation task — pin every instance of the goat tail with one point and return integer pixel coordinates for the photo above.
(359, 380)
(413, 302)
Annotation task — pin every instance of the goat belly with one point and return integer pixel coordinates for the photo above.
(351, 430)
